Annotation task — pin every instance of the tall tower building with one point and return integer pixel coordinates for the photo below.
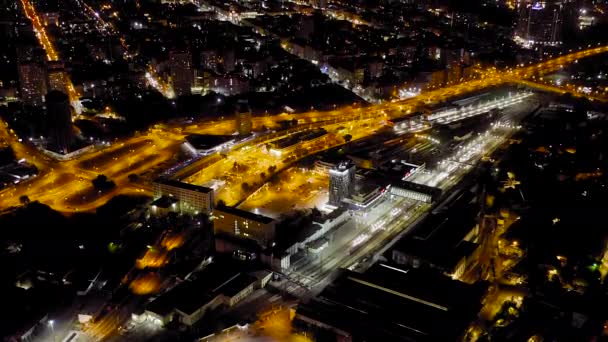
(306, 27)
(341, 182)
(32, 83)
(59, 118)
(540, 22)
(180, 65)
(228, 59)
(243, 122)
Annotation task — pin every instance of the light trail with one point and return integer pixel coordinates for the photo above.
(30, 13)
(156, 82)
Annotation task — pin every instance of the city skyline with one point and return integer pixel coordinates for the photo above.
(281, 170)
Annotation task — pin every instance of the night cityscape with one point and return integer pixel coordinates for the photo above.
(304, 170)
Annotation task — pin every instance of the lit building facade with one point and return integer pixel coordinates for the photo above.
(192, 199)
(243, 123)
(32, 83)
(341, 182)
(540, 23)
(56, 78)
(244, 224)
(180, 64)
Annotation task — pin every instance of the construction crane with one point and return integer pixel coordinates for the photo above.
(512, 183)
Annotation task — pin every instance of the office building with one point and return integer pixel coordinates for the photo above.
(191, 199)
(180, 65)
(244, 224)
(59, 118)
(56, 78)
(32, 83)
(341, 182)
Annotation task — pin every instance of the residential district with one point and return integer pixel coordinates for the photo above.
(303, 170)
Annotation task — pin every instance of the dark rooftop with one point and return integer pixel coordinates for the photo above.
(205, 142)
(190, 295)
(183, 185)
(425, 189)
(245, 214)
(237, 284)
(330, 216)
(389, 304)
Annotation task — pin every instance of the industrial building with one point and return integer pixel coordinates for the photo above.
(217, 284)
(388, 303)
(444, 241)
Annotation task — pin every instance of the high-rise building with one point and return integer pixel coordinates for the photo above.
(229, 59)
(59, 118)
(32, 83)
(180, 65)
(56, 78)
(341, 182)
(306, 27)
(243, 120)
(540, 22)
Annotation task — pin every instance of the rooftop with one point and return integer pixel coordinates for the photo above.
(205, 141)
(190, 295)
(392, 304)
(245, 214)
(183, 185)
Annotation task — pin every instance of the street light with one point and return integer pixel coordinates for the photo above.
(52, 325)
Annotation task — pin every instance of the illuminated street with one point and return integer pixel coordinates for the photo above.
(146, 157)
(252, 165)
(51, 53)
